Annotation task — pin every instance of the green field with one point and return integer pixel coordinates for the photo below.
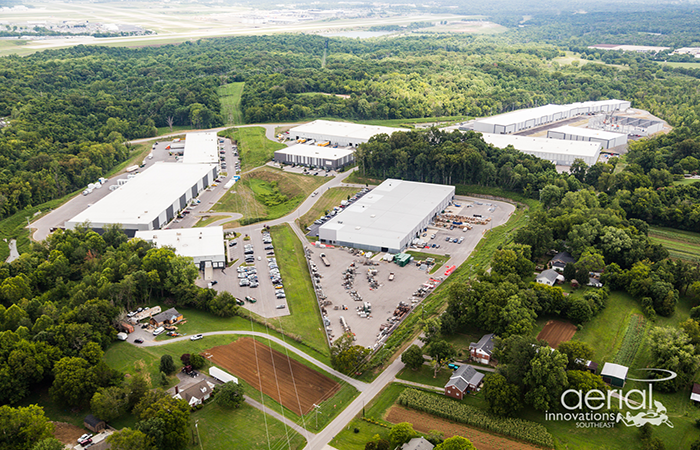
(230, 98)
(266, 194)
(305, 318)
(254, 148)
(439, 259)
(685, 65)
(683, 245)
(329, 199)
(424, 375)
(248, 427)
(687, 180)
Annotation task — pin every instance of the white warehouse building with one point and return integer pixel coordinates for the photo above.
(150, 199)
(204, 245)
(608, 139)
(313, 155)
(389, 217)
(557, 151)
(342, 134)
(524, 119)
(201, 148)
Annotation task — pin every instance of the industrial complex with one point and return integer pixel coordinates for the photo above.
(150, 199)
(200, 148)
(316, 156)
(559, 152)
(607, 139)
(524, 119)
(388, 218)
(341, 134)
(204, 245)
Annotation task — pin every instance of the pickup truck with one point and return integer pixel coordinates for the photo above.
(391, 276)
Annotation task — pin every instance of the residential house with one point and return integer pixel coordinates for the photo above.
(481, 351)
(195, 394)
(560, 260)
(464, 379)
(549, 277)
(94, 424)
(594, 282)
(418, 443)
(168, 317)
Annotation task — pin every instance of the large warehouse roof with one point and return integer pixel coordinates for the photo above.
(314, 151)
(146, 196)
(534, 145)
(191, 242)
(356, 131)
(388, 213)
(200, 148)
(587, 132)
(523, 115)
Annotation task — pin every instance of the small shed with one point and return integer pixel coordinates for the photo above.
(614, 374)
(402, 259)
(94, 424)
(695, 393)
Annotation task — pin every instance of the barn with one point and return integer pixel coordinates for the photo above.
(94, 424)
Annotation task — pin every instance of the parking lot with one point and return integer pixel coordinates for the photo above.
(265, 294)
(385, 298)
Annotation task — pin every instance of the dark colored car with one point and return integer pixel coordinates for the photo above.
(138, 341)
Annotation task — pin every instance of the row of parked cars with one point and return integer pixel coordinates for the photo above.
(248, 276)
(133, 313)
(275, 276)
(343, 204)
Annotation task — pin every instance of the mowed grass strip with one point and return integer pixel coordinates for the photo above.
(246, 426)
(254, 148)
(329, 199)
(683, 245)
(305, 317)
(266, 194)
(230, 98)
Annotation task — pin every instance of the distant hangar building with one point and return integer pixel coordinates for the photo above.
(607, 139)
(524, 119)
(389, 217)
(150, 199)
(204, 245)
(342, 134)
(559, 152)
(313, 155)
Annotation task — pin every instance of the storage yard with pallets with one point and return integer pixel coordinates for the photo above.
(556, 332)
(294, 385)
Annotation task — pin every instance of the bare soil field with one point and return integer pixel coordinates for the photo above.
(556, 332)
(294, 385)
(67, 433)
(424, 422)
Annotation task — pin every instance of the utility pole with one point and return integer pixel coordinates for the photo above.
(316, 408)
(196, 425)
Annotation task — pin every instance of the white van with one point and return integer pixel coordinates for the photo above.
(158, 330)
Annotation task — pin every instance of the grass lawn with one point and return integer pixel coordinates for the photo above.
(206, 220)
(305, 318)
(329, 199)
(688, 180)
(683, 245)
(439, 259)
(424, 375)
(685, 65)
(356, 178)
(254, 148)
(230, 98)
(266, 194)
(248, 427)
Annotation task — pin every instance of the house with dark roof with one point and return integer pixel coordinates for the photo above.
(418, 443)
(594, 282)
(196, 394)
(94, 424)
(168, 317)
(549, 277)
(481, 351)
(560, 260)
(463, 380)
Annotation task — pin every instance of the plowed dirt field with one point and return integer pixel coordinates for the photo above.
(424, 422)
(286, 380)
(556, 332)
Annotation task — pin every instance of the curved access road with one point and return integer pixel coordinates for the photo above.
(359, 385)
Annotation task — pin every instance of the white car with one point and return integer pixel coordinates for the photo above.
(196, 337)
